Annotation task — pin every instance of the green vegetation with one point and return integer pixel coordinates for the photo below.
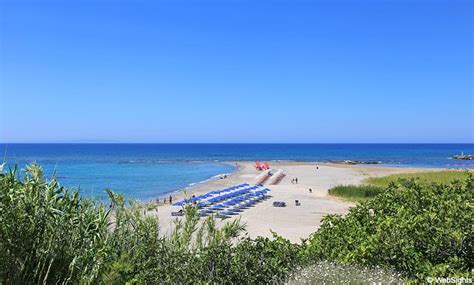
(422, 177)
(416, 229)
(49, 234)
(355, 193)
(375, 185)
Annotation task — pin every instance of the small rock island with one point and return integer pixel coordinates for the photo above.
(463, 156)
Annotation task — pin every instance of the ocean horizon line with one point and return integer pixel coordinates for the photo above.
(240, 143)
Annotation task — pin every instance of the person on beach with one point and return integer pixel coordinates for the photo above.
(310, 190)
(296, 180)
(171, 199)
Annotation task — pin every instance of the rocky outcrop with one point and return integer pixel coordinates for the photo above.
(463, 156)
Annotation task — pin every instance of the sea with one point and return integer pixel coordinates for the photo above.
(148, 171)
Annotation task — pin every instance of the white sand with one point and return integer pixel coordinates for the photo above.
(292, 222)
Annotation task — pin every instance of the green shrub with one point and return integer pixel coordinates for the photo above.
(417, 229)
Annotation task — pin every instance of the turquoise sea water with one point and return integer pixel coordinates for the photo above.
(145, 171)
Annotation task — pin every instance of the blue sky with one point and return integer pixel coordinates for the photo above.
(237, 71)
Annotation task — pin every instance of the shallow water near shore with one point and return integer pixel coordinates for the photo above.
(146, 171)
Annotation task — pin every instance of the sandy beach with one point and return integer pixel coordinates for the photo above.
(292, 222)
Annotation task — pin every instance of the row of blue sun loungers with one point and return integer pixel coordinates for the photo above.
(236, 205)
(210, 194)
(227, 201)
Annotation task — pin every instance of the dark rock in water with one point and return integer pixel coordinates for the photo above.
(463, 156)
(353, 162)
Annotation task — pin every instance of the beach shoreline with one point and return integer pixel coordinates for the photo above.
(194, 186)
(197, 188)
(292, 222)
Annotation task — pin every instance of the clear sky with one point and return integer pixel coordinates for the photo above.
(237, 71)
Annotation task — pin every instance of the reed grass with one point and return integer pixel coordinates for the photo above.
(355, 192)
(422, 177)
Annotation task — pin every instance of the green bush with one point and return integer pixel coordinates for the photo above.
(416, 229)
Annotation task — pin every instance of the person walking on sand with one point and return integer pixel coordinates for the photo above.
(296, 180)
(171, 199)
(310, 190)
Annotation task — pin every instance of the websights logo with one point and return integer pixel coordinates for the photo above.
(449, 280)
